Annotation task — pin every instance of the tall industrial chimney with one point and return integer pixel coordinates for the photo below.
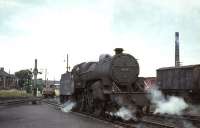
(177, 59)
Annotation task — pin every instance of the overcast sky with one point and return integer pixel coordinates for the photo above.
(49, 29)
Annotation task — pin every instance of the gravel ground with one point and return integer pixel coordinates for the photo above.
(44, 116)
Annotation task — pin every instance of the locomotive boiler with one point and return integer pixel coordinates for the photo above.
(123, 69)
(109, 84)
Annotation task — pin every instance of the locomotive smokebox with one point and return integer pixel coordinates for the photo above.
(118, 51)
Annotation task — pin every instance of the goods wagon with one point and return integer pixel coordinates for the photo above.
(182, 81)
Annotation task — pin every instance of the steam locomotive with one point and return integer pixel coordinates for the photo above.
(106, 85)
(112, 82)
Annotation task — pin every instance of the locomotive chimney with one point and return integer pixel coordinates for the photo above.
(177, 60)
(118, 51)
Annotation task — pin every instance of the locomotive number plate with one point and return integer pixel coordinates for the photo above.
(124, 69)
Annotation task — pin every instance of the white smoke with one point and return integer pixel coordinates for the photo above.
(170, 105)
(193, 109)
(187, 124)
(124, 113)
(67, 106)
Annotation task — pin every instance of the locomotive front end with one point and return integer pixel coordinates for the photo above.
(125, 68)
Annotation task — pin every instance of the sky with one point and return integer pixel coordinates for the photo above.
(49, 30)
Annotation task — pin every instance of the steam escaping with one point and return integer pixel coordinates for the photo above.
(193, 109)
(187, 124)
(167, 105)
(67, 107)
(125, 114)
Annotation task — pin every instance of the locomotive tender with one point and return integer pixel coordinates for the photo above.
(66, 87)
(107, 85)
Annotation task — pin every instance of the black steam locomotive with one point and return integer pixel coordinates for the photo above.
(112, 82)
(106, 85)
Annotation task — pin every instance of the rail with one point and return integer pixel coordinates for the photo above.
(117, 122)
(16, 101)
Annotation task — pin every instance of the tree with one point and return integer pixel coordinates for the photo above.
(24, 78)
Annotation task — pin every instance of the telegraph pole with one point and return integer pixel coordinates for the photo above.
(68, 67)
(35, 72)
(45, 77)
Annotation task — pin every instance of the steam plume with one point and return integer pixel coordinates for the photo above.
(170, 105)
(68, 106)
(125, 114)
(193, 109)
(187, 124)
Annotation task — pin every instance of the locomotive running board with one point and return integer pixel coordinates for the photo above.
(130, 93)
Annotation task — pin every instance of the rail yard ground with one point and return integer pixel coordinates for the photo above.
(13, 93)
(49, 113)
(44, 116)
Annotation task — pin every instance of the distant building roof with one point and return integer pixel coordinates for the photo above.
(5, 74)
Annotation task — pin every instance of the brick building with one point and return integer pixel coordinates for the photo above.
(7, 80)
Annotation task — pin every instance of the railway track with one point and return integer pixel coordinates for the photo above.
(115, 124)
(54, 103)
(176, 120)
(143, 123)
(196, 117)
(155, 124)
(129, 124)
(23, 100)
